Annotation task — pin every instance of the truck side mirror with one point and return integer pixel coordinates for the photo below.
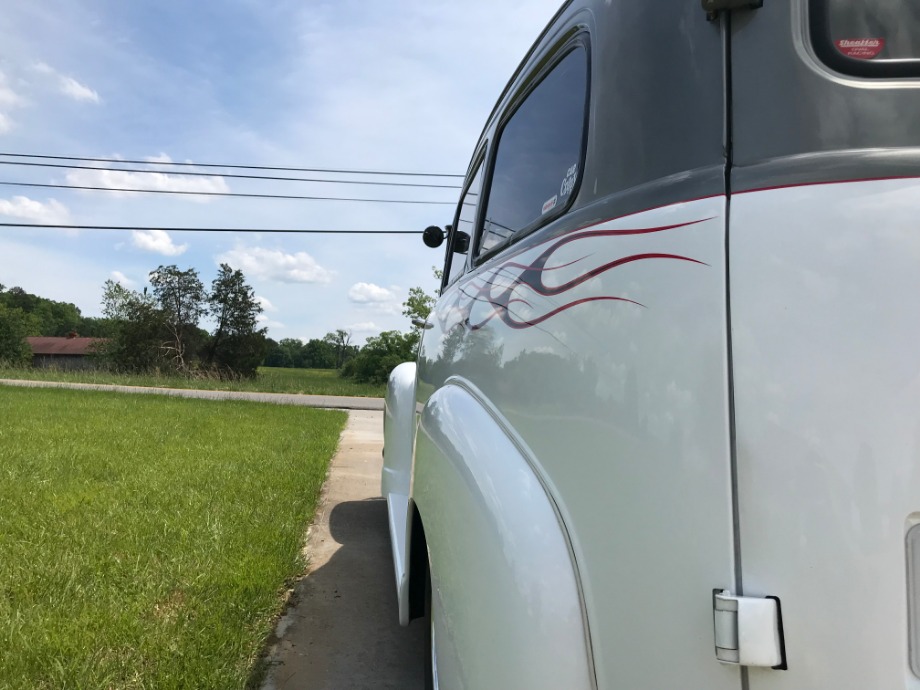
(461, 242)
(433, 236)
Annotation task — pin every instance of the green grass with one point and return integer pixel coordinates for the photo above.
(326, 381)
(269, 380)
(145, 541)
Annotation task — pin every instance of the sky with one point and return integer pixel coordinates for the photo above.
(398, 86)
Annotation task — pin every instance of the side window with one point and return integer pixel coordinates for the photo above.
(537, 164)
(870, 38)
(458, 241)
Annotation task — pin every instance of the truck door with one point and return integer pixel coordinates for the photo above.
(824, 287)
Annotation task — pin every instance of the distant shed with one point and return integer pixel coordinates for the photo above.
(68, 353)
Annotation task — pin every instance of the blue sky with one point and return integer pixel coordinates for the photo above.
(392, 86)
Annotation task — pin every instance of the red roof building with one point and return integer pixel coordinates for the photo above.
(71, 352)
(61, 346)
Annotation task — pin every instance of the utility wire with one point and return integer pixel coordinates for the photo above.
(189, 173)
(236, 167)
(180, 229)
(222, 194)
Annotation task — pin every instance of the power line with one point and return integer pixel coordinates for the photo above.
(190, 173)
(237, 167)
(181, 229)
(220, 194)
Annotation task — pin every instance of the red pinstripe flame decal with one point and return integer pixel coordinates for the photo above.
(511, 275)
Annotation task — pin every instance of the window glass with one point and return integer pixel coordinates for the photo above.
(871, 37)
(539, 153)
(466, 217)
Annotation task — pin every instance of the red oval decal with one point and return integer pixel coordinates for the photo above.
(861, 48)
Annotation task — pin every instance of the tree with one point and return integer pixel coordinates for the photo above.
(274, 355)
(380, 355)
(292, 352)
(418, 304)
(340, 340)
(15, 326)
(181, 298)
(236, 344)
(321, 354)
(316, 353)
(51, 318)
(136, 328)
(93, 327)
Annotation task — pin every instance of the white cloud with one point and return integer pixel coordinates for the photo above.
(157, 241)
(122, 279)
(378, 299)
(273, 264)
(266, 305)
(29, 209)
(366, 293)
(68, 85)
(77, 91)
(265, 322)
(8, 97)
(364, 327)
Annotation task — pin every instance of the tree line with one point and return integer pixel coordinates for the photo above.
(147, 330)
(159, 329)
(371, 363)
(329, 352)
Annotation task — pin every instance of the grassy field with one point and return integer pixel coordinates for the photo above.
(269, 380)
(145, 542)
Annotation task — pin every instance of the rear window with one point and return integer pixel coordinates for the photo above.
(870, 38)
(539, 158)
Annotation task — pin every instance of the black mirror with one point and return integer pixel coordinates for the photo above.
(461, 242)
(433, 236)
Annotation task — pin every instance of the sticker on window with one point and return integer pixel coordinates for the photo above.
(861, 48)
(550, 203)
(568, 182)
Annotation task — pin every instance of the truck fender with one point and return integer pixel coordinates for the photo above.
(399, 441)
(506, 596)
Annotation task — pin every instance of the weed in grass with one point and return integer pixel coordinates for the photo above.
(145, 542)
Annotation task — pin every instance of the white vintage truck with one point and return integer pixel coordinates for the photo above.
(664, 426)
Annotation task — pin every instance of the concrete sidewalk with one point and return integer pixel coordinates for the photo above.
(342, 630)
(328, 401)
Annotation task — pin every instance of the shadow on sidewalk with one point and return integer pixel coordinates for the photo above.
(343, 630)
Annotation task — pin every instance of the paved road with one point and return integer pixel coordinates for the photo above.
(329, 401)
(343, 631)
